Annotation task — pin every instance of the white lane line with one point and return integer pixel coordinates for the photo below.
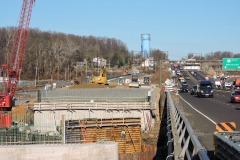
(198, 111)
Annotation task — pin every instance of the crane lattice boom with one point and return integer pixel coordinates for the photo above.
(12, 74)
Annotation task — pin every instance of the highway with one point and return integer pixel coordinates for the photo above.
(204, 113)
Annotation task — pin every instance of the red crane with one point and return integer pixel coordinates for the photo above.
(11, 74)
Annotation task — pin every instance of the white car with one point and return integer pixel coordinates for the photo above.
(184, 83)
(228, 85)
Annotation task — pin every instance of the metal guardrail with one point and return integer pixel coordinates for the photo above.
(227, 145)
(93, 99)
(188, 144)
(91, 106)
(170, 142)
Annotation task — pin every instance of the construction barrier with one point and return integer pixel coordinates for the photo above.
(226, 126)
(5, 120)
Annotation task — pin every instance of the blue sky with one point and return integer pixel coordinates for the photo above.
(177, 26)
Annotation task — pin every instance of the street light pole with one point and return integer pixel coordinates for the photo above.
(201, 63)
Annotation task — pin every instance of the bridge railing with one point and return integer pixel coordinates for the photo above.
(187, 145)
(227, 145)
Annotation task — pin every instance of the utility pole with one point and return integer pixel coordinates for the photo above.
(160, 73)
(86, 72)
(76, 71)
(68, 72)
(36, 74)
(65, 74)
(58, 73)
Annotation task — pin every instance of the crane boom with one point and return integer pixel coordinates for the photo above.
(12, 74)
(19, 45)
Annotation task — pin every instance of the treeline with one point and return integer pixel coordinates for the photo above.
(49, 53)
(218, 55)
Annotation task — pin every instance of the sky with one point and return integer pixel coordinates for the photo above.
(178, 27)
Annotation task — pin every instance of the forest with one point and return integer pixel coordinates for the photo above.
(51, 52)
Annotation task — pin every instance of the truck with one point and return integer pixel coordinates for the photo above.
(146, 80)
(218, 84)
(134, 83)
(236, 83)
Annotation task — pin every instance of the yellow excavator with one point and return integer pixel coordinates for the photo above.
(102, 77)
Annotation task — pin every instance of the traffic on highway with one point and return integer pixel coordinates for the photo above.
(206, 104)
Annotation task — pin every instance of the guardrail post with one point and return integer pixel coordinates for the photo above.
(181, 156)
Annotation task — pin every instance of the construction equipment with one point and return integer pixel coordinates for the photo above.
(121, 81)
(134, 83)
(146, 80)
(102, 77)
(77, 81)
(11, 74)
(125, 72)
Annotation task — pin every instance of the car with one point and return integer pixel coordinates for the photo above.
(178, 72)
(235, 96)
(183, 89)
(193, 90)
(184, 83)
(227, 85)
(204, 88)
(187, 77)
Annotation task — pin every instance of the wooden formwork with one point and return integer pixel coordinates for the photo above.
(127, 132)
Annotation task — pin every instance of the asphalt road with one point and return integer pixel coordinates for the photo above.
(204, 113)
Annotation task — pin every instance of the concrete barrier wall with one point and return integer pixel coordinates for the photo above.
(91, 151)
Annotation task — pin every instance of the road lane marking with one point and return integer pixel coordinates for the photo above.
(198, 111)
